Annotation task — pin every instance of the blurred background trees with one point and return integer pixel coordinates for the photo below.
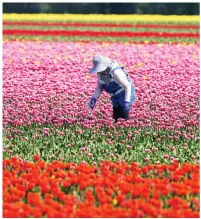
(104, 8)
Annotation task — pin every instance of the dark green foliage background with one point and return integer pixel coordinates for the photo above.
(104, 8)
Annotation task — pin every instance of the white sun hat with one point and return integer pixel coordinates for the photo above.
(100, 63)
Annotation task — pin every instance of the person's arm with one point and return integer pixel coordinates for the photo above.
(95, 96)
(97, 91)
(121, 78)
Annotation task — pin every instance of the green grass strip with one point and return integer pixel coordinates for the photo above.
(105, 29)
(100, 39)
(66, 142)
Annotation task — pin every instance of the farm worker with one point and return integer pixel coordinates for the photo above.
(114, 80)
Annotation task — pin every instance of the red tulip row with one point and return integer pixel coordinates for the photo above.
(79, 24)
(111, 189)
(98, 33)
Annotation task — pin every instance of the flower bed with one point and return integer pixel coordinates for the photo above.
(108, 190)
(62, 160)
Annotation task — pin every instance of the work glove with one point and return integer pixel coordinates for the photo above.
(92, 102)
(126, 106)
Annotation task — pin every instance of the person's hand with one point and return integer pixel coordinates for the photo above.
(126, 106)
(92, 102)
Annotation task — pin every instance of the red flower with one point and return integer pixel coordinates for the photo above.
(33, 198)
(36, 157)
(97, 33)
(90, 199)
(81, 24)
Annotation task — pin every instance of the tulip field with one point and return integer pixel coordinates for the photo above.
(60, 159)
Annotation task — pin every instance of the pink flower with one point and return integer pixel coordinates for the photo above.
(170, 137)
(146, 159)
(185, 145)
(10, 151)
(129, 136)
(79, 131)
(108, 141)
(94, 163)
(45, 130)
(129, 146)
(116, 133)
(147, 150)
(166, 156)
(89, 154)
(169, 146)
(154, 148)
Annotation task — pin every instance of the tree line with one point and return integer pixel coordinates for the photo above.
(104, 8)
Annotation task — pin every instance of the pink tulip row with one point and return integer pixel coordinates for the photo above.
(48, 82)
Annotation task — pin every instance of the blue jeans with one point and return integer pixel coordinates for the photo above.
(118, 100)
